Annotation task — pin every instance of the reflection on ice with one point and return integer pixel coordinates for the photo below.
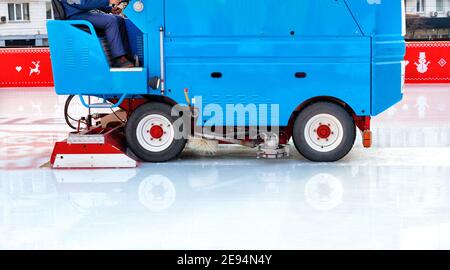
(157, 192)
(385, 197)
(93, 176)
(196, 205)
(324, 191)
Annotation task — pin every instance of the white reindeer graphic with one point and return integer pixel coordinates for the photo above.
(35, 69)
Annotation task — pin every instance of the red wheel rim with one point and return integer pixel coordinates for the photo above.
(156, 132)
(324, 131)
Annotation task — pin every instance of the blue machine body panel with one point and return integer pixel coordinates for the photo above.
(349, 50)
(81, 67)
(384, 21)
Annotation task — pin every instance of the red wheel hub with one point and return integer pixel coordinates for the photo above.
(324, 132)
(156, 132)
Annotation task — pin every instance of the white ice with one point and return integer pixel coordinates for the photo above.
(394, 196)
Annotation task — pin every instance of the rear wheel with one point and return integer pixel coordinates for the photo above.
(151, 134)
(324, 132)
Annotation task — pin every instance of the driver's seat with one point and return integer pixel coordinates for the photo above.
(59, 13)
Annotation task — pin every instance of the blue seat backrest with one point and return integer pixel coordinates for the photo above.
(59, 13)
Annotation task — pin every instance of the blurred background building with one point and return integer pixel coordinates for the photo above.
(428, 8)
(22, 22)
(428, 19)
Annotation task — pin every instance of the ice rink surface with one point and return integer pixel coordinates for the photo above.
(394, 196)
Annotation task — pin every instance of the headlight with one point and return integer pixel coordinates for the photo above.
(138, 6)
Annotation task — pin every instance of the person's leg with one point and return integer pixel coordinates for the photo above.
(124, 35)
(109, 24)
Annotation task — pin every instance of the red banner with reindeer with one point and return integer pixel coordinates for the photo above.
(428, 62)
(25, 68)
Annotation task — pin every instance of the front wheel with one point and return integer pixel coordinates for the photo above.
(152, 135)
(324, 132)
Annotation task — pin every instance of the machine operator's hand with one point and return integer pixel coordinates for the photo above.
(116, 10)
(114, 2)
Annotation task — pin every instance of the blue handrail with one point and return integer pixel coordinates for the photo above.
(101, 106)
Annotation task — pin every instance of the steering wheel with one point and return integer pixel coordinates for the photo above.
(123, 4)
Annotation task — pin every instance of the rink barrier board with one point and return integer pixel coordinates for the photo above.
(426, 62)
(29, 67)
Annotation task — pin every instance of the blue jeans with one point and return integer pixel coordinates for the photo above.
(114, 27)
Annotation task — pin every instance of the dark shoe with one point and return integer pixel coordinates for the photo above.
(122, 62)
(154, 83)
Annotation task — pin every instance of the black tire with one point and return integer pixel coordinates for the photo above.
(338, 148)
(72, 120)
(66, 113)
(175, 146)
